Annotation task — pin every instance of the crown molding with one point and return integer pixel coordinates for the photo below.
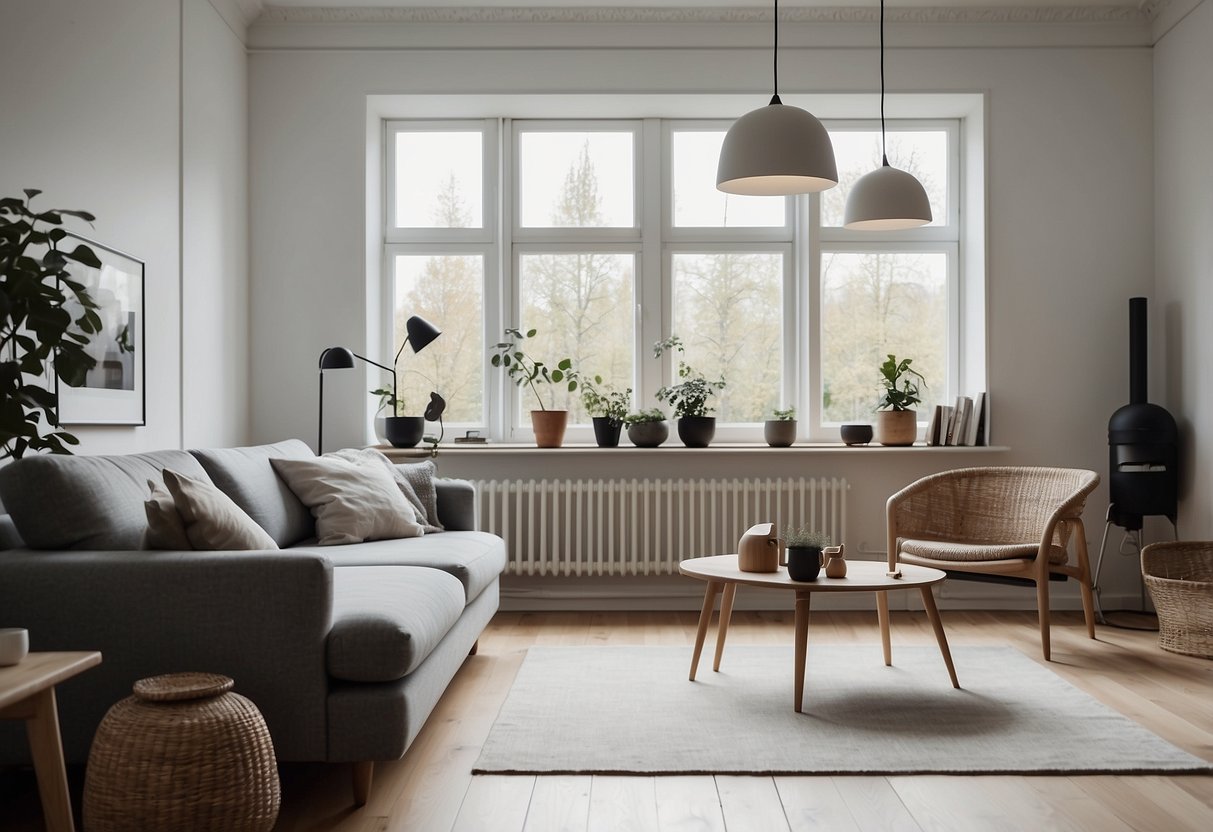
(1143, 13)
(250, 10)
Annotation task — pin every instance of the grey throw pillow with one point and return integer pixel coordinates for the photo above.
(212, 521)
(165, 528)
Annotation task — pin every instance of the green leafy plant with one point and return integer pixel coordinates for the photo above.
(690, 396)
(804, 537)
(788, 415)
(605, 401)
(901, 384)
(386, 399)
(525, 371)
(644, 417)
(36, 327)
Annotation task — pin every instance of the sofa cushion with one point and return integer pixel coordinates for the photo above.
(245, 475)
(964, 552)
(213, 522)
(475, 558)
(387, 619)
(86, 502)
(165, 528)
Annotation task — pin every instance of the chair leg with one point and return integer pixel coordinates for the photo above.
(363, 772)
(1042, 602)
(1084, 577)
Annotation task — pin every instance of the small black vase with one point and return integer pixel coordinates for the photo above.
(606, 432)
(804, 564)
(696, 431)
(403, 431)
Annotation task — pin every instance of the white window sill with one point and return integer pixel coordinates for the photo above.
(500, 449)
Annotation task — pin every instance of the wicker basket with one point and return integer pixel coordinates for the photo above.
(1180, 579)
(183, 753)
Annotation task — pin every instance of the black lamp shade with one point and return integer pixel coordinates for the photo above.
(420, 332)
(336, 358)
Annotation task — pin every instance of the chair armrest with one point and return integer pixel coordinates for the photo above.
(457, 504)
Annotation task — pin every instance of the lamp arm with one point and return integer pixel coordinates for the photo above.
(391, 370)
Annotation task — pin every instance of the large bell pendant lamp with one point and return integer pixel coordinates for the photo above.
(887, 199)
(776, 150)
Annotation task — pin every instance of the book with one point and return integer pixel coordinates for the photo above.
(966, 419)
(982, 431)
(933, 425)
(946, 423)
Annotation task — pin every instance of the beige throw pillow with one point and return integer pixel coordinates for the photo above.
(413, 480)
(165, 528)
(212, 521)
(351, 501)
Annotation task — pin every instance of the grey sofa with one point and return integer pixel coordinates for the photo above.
(344, 649)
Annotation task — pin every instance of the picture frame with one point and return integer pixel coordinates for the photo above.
(114, 392)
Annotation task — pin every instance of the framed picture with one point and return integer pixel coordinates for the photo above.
(113, 391)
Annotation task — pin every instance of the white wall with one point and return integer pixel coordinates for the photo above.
(215, 230)
(93, 110)
(1183, 219)
(91, 117)
(1068, 243)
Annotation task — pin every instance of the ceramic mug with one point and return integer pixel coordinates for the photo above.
(14, 645)
(804, 564)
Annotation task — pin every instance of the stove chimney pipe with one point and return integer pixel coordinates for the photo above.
(1139, 392)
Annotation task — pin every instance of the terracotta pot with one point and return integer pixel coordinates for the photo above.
(648, 434)
(896, 427)
(779, 433)
(606, 432)
(549, 427)
(403, 431)
(696, 431)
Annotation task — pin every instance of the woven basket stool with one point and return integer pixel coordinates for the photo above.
(183, 753)
(1180, 579)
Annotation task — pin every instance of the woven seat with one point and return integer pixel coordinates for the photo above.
(1008, 521)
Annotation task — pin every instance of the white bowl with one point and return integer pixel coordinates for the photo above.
(14, 645)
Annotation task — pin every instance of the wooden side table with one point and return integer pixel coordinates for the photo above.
(27, 691)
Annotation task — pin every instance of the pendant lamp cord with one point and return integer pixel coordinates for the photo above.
(884, 152)
(775, 59)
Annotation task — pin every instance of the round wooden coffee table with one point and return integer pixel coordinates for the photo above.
(721, 573)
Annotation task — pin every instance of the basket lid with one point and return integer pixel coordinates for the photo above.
(173, 687)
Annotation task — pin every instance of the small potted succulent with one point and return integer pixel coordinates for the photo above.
(805, 546)
(780, 430)
(647, 428)
(689, 397)
(896, 419)
(607, 408)
(525, 371)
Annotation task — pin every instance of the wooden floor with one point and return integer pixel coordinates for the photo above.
(432, 790)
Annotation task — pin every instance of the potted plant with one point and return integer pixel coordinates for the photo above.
(37, 326)
(647, 428)
(525, 371)
(896, 419)
(607, 408)
(805, 546)
(397, 430)
(780, 431)
(689, 398)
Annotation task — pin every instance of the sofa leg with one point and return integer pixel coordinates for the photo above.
(475, 648)
(363, 772)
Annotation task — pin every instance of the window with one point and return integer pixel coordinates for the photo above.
(607, 236)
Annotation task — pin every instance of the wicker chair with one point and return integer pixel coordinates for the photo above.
(1010, 522)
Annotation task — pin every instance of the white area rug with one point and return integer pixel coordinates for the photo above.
(631, 710)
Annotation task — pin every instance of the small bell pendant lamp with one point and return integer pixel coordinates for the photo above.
(887, 199)
(776, 150)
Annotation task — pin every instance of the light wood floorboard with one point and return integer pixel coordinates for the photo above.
(432, 790)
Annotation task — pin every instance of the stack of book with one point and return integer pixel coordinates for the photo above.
(965, 423)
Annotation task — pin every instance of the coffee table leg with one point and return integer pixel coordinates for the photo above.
(882, 613)
(928, 601)
(47, 750)
(705, 616)
(726, 615)
(802, 645)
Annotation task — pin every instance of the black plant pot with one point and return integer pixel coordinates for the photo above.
(606, 432)
(696, 431)
(403, 431)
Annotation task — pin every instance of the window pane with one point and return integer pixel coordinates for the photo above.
(577, 179)
(440, 179)
(728, 311)
(448, 291)
(697, 203)
(582, 306)
(922, 153)
(874, 304)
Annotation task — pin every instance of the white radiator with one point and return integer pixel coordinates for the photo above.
(645, 527)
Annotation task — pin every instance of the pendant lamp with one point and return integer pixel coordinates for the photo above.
(776, 150)
(887, 199)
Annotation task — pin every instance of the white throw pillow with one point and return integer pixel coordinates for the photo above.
(351, 502)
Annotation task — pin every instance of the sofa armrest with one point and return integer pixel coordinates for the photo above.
(457, 504)
(260, 617)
